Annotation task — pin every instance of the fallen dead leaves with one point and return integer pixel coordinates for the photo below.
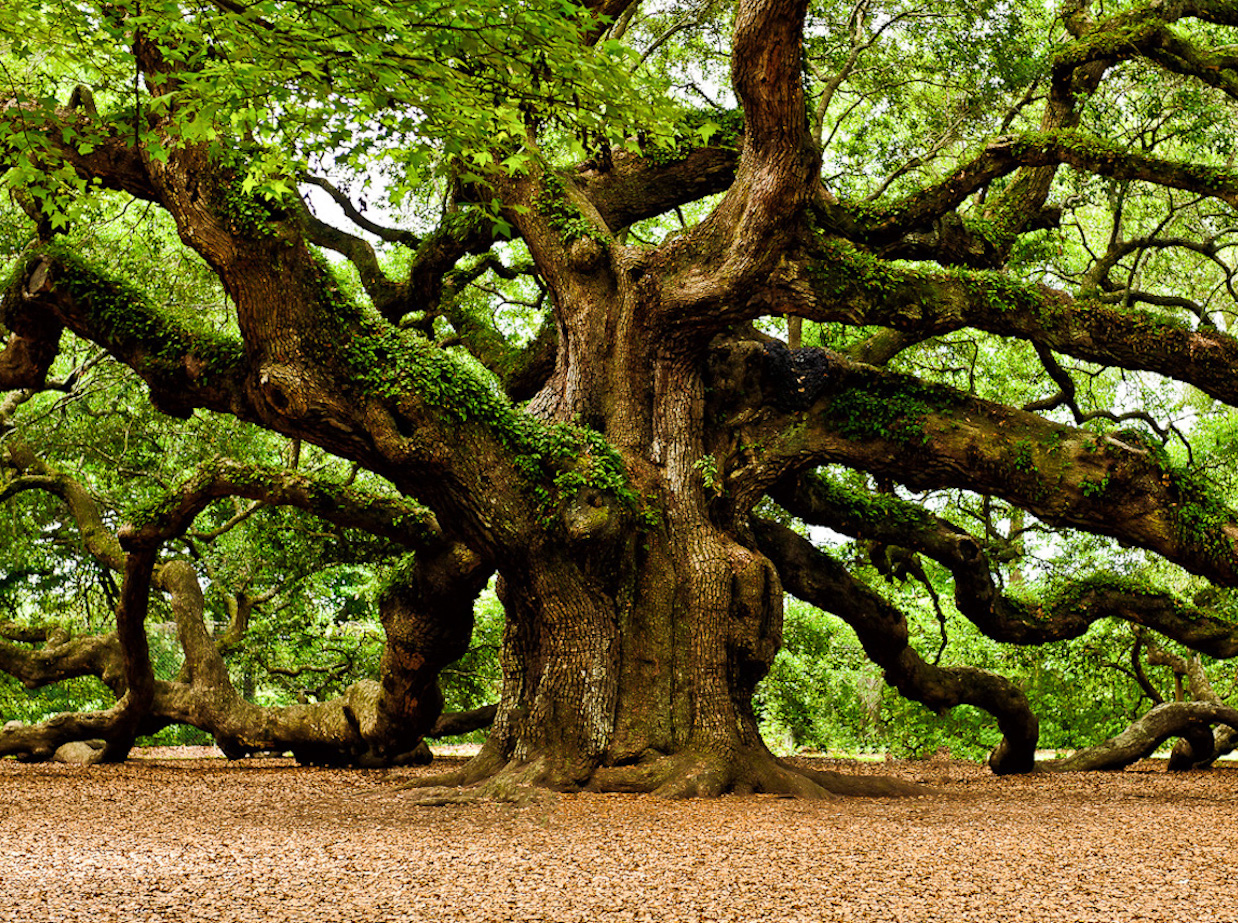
(186, 840)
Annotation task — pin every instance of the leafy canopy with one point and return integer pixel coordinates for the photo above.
(409, 88)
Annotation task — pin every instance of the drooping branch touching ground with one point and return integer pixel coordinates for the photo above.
(1068, 615)
(815, 577)
(426, 613)
(372, 723)
(1200, 746)
(1141, 738)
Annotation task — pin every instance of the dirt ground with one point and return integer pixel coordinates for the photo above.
(173, 839)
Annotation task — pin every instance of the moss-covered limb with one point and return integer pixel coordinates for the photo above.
(883, 346)
(1094, 155)
(1066, 612)
(628, 188)
(972, 244)
(1142, 737)
(185, 367)
(1077, 72)
(521, 369)
(849, 285)
(887, 226)
(815, 577)
(28, 634)
(1215, 67)
(1146, 31)
(931, 436)
(397, 519)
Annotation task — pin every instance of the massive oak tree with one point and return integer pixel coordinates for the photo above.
(737, 305)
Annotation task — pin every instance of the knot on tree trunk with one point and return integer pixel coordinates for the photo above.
(283, 389)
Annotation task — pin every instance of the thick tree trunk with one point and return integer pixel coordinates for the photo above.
(630, 662)
(646, 687)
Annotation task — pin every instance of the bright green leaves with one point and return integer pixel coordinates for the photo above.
(414, 89)
(414, 84)
(128, 323)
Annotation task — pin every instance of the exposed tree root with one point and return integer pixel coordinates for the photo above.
(853, 786)
(704, 775)
(687, 774)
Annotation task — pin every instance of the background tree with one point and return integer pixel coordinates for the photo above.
(1003, 242)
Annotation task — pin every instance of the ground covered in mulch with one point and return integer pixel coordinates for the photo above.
(203, 839)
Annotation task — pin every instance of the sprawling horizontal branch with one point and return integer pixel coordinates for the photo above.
(630, 188)
(931, 436)
(65, 658)
(1087, 153)
(816, 578)
(39, 742)
(1067, 613)
(1145, 31)
(847, 285)
(398, 404)
(398, 520)
(184, 368)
